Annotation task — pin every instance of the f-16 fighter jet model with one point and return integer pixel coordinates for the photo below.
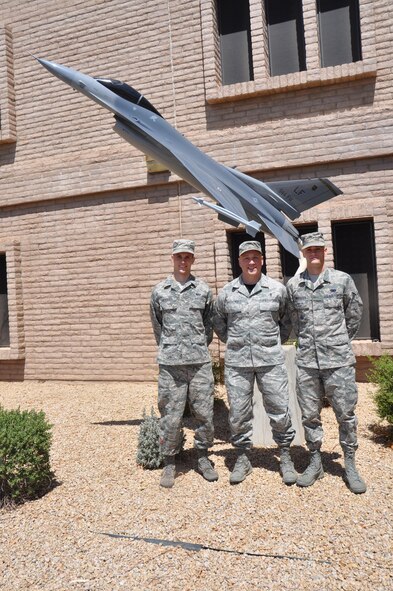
(238, 198)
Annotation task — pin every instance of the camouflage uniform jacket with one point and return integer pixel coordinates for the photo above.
(181, 316)
(251, 323)
(325, 316)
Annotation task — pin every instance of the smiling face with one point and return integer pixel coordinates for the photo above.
(251, 265)
(182, 263)
(315, 257)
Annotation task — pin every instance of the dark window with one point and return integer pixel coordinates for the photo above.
(287, 51)
(290, 263)
(4, 324)
(235, 41)
(234, 241)
(339, 32)
(354, 253)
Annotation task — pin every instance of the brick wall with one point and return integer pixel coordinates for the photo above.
(94, 228)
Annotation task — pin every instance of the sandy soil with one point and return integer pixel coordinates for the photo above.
(97, 529)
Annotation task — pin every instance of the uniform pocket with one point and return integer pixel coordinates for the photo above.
(269, 306)
(168, 306)
(235, 307)
(332, 303)
(198, 303)
(269, 311)
(301, 303)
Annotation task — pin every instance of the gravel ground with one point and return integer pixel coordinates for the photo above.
(257, 535)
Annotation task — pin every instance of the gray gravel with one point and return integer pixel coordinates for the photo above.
(257, 535)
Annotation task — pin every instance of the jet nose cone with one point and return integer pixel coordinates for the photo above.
(51, 66)
(67, 75)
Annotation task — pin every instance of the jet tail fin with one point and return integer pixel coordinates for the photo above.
(304, 194)
(291, 197)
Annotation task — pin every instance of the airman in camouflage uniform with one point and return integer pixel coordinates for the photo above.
(325, 310)
(248, 317)
(181, 314)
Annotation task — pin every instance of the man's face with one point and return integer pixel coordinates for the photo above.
(251, 265)
(182, 263)
(315, 256)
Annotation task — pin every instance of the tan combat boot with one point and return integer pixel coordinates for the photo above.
(287, 469)
(168, 473)
(241, 469)
(313, 472)
(205, 466)
(352, 477)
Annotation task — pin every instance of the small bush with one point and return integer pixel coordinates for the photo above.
(25, 439)
(149, 453)
(382, 375)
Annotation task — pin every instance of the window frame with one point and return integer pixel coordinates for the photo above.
(16, 349)
(372, 274)
(354, 33)
(263, 83)
(230, 67)
(4, 312)
(299, 48)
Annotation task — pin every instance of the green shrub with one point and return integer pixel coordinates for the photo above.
(149, 453)
(25, 439)
(382, 375)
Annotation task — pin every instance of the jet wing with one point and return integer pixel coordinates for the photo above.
(292, 197)
(304, 194)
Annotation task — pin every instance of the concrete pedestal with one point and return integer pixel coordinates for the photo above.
(262, 433)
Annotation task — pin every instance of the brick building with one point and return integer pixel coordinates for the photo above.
(86, 221)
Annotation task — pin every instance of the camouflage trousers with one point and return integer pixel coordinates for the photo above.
(176, 385)
(339, 387)
(272, 382)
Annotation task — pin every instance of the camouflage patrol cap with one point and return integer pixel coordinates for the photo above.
(183, 246)
(312, 239)
(250, 245)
